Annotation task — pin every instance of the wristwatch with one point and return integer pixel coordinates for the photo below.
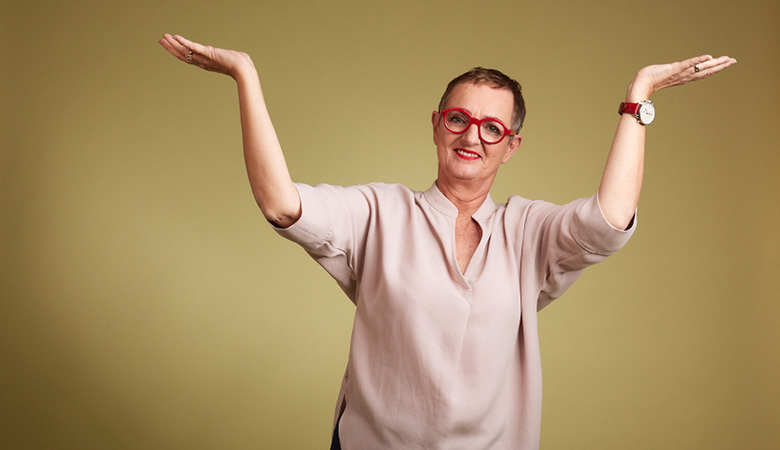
(643, 111)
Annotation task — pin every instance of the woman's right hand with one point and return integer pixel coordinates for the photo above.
(228, 62)
(269, 177)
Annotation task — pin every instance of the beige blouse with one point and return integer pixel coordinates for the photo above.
(440, 359)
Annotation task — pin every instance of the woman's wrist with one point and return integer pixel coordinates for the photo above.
(244, 69)
(640, 89)
(232, 63)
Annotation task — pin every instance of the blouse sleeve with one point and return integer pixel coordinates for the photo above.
(567, 239)
(330, 229)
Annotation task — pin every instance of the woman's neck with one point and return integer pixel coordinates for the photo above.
(465, 197)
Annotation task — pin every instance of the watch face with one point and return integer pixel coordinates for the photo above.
(646, 113)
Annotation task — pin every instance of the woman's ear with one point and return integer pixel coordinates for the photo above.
(514, 144)
(435, 123)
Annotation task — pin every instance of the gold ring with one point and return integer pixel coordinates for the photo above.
(695, 66)
(189, 57)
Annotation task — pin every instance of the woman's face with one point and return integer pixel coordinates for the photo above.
(464, 158)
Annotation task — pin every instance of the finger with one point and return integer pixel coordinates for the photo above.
(695, 64)
(194, 52)
(720, 63)
(173, 51)
(193, 47)
(713, 66)
(174, 47)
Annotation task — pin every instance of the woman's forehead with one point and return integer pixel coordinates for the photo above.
(482, 100)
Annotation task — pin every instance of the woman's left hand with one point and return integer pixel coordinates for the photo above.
(653, 78)
(228, 62)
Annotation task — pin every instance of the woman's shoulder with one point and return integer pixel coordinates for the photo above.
(374, 194)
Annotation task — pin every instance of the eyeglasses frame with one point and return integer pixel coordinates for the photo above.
(478, 123)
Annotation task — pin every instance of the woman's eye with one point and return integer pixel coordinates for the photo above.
(493, 129)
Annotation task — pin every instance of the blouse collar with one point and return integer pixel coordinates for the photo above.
(442, 204)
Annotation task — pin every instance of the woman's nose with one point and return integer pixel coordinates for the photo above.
(471, 135)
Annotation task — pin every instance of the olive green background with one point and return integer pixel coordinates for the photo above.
(147, 305)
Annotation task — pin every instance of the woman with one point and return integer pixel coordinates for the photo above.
(446, 283)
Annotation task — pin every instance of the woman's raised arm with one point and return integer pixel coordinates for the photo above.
(621, 182)
(269, 177)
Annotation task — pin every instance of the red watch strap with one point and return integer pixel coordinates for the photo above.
(630, 108)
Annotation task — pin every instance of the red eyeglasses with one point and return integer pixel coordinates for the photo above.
(491, 131)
